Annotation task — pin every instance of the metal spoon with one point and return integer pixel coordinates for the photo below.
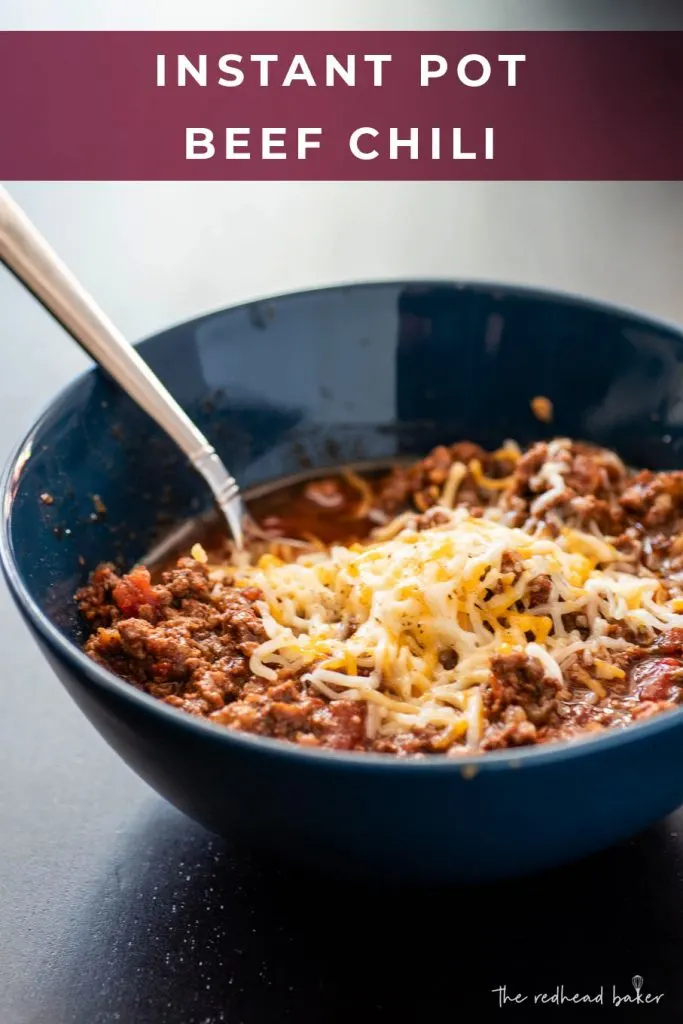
(25, 252)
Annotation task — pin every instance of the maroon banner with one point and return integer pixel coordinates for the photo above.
(341, 105)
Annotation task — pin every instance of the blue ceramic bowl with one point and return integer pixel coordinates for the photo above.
(316, 379)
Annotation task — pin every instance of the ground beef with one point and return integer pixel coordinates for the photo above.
(655, 498)
(511, 565)
(539, 590)
(188, 643)
(95, 601)
(519, 700)
(592, 480)
(422, 483)
(285, 710)
(192, 650)
(428, 740)
(188, 640)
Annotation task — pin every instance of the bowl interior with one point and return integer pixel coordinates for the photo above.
(320, 378)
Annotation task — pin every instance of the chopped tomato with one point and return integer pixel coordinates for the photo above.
(657, 679)
(134, 591)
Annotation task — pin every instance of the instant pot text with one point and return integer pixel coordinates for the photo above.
(342, 106)
(471, 71)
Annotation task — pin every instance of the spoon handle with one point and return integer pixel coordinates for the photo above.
(25, 252)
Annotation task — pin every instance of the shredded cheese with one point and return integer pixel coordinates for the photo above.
(199, 554)
(456, 475)
(409, 624)
(363, 488)
(498, 484)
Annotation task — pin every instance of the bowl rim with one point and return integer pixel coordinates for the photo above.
(467, 766)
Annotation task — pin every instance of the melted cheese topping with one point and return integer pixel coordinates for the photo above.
(409, 624)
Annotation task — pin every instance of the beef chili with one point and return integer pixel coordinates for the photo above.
(472, 601)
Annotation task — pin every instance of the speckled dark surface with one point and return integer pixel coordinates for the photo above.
(115, 908)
